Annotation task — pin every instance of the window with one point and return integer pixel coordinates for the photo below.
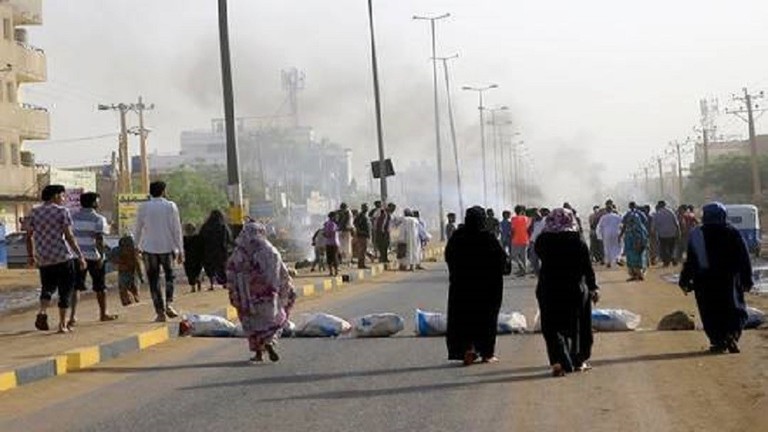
(15, 154)
(7, 29)
(2, 153)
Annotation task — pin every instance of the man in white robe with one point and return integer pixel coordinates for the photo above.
(608, 230)
(408, 242)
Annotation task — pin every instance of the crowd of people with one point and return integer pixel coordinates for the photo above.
(550, 245)
(67, 247)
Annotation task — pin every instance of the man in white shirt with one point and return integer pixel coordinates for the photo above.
(159, 238)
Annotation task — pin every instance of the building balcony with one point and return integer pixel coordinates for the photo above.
(31, 122)
(29, 63)
(26, 12)
(18, 182)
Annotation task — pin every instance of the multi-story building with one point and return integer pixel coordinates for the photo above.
(20, 64)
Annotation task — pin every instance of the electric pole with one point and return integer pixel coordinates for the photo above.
(377, 106)
(234, 188)
(749, 109)
(140, 108)
(441, 217)
(481, 108)
(647, 182)
(453, 131)
(123, 156)
(661, 177)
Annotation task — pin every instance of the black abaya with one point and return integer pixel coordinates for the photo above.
(563, 292)
(476, 264)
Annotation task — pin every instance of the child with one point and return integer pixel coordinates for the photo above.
(193, 256)
(318, 242)
(128, 266)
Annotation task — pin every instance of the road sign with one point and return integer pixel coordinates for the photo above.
(376, 169)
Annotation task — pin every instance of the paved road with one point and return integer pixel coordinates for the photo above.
(401, 383)
(643, 381)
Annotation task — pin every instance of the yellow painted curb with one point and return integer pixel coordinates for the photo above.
(327, 284)
(231, 313)
(308, 290)
(8, 380)
(153, 337)
(82, 358)
(61, 364)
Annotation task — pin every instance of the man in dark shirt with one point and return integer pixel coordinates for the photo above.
(492, 224)
(362, 235)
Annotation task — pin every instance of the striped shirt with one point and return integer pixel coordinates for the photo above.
(87, 225)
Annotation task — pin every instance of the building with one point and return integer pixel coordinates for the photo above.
(20, 64)
(279, 163)
(720, 149)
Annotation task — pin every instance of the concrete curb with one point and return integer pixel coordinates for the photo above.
(85, 357)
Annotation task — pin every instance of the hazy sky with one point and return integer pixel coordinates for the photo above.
(613, 80)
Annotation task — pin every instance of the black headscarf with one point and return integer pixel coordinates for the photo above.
(474, 219)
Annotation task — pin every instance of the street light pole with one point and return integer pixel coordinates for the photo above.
(481, 108)
(496, 147)
(453, 130)
(437, 120)
(234, 188)
(377, 105)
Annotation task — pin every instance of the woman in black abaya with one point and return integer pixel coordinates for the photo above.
(476, 264)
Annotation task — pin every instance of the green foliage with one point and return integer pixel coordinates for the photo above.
(728, 179)
(197, 192)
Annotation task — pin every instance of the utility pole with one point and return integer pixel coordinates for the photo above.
(377, 105)
(661, 178)
(495, 143)
(453, 131)
(441, 217)
(234, 188)
(123, 156)
(679, 173)
(647, 182)
(749, 109)
(140, 108)
(481, 108)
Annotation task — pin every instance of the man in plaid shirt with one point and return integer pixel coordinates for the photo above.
(52, 248)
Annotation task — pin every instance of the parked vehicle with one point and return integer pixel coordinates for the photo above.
(746, 218)
(17, 248)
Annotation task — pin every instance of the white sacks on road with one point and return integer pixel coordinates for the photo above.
(207, 326)
(320, 325)
(431, 323)
(377, 325)
(514, 322)
(614, 320)
(755, 318)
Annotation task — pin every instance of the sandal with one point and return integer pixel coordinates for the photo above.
(273, 356)
(108, 318)
(585, 367)
(258, 357)
(557, 370)
(63, 330)
(469, 357)
(492, 359)
(41, 322)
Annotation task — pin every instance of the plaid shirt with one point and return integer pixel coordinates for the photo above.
(48, 223)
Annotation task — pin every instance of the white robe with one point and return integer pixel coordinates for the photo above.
(408, 228)
(608, 230)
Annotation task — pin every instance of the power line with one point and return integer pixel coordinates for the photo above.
(73, 140)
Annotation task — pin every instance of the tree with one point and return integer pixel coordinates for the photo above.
(727, 179)
(197, 192)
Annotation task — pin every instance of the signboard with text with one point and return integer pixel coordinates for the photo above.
(127, 209)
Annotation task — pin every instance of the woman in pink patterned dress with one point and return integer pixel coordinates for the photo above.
(260, 289)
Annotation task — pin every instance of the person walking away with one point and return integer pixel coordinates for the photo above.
(51, 247)
(216, 238)
(636, 239)
(373, 214)
(608, 232)
(492, 224)
(505, 231)
(718, 270)
(362, 235)
(193, 256)
(688, 222)
(595, 244)
(346, 230)
(89, 228)
(653, 244)
(260, 289)
(520, 240)
(127, 260)
(159, 237)
(450, 227)
(565, 293)
(424, 238)
(331, 240)
(476, 264)
(668, 230)
(318, 243)
(537, 228)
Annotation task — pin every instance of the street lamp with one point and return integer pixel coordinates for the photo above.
(437, 120)
(480, 91)
(377, 105)
(495, 143)
(452, 124)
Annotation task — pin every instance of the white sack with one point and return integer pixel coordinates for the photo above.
(378, 325)
(514, 322)
(209, 326)
(614, 320)
(755, 318)
(320, 325)
(431, 323)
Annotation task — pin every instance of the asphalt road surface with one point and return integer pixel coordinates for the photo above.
(397, 384)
